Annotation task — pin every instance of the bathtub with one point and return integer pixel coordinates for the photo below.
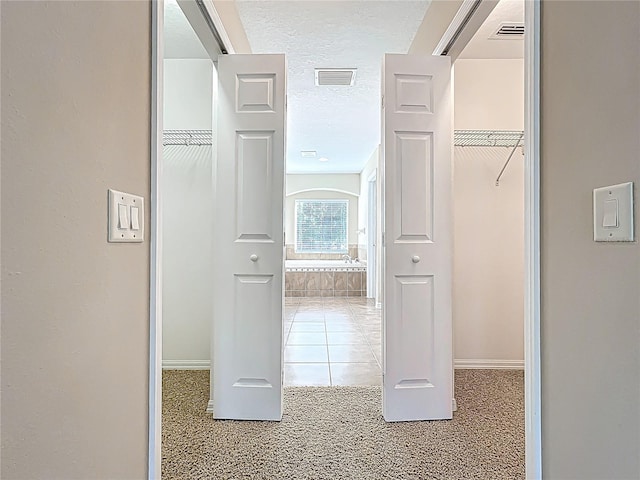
(322, 265)
(325, 278)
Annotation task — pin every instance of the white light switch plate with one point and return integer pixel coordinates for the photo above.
(123, 224)
(613, 213)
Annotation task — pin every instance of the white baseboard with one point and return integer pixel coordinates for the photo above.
(186, 364)
(466, 363)
(210, 406)
(461, 363)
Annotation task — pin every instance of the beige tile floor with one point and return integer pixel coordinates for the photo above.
(332, 341)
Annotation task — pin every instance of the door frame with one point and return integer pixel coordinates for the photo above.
(533, 429)
(155, 240)
(532, 364)
(372, 236)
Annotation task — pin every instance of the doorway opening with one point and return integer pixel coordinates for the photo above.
(331, 328)
(292, 324)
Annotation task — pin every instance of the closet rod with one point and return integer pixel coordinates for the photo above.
(509, 159)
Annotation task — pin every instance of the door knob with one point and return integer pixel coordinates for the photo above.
(415, 259)
(253, 258)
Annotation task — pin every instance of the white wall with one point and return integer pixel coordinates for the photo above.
(348, 183)
(187, 217)
(187, 94)
(75, 309)
(489, 94)
(363, 214)
(488, 290)
(590, 292)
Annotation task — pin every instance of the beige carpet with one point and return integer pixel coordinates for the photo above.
(338, 433)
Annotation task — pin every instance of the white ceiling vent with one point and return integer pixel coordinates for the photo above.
(509, 30)
(335, 76)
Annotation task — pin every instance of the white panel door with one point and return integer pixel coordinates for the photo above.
(417, 319)
(248, 233)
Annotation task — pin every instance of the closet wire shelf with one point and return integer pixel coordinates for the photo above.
(462, 138)
(488, 138)
(187, 137)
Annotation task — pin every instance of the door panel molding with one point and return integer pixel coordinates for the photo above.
(249, 278)
(418, 250)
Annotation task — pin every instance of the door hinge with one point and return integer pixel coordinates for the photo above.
(383, 240)
(383, 101)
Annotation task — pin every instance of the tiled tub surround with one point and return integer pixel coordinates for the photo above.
(325, 278)
(292, 255)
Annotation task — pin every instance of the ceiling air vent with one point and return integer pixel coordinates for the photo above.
(335, 76)
(509, 30)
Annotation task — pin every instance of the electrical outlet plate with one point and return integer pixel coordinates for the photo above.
(613, 213)
(126, 217)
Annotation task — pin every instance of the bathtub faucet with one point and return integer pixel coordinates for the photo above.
(347, 259)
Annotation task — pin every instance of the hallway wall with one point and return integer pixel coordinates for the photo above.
(488, 290)
(590, 312)
(75, 309)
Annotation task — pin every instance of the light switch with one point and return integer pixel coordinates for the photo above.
(610, 214)
(123, 221)
(135, 224)
(126, 217)
(613, 213)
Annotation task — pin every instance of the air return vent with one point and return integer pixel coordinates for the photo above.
(335, 76)
(509, 30)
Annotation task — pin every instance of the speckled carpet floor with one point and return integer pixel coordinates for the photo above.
(338, 433)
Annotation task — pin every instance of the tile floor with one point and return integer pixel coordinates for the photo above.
(332, 341)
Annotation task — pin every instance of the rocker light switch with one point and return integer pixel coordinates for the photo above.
(123, 218)
(610, 215)
(135, 223)
(613, 213)
(126, 217)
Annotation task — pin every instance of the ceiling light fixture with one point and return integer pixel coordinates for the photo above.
(323, 159)
(308, 153)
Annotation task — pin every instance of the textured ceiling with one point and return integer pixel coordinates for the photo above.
(481, 46)
(180, 41)
(341, 123)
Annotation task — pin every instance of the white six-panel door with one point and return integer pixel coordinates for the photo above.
(417, 317)
(248, 249)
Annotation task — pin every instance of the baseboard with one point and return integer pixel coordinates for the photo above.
(210, 406)
(461, 363)
(465, 363)
(186, 364)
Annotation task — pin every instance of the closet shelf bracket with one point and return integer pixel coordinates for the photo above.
(515, 147)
